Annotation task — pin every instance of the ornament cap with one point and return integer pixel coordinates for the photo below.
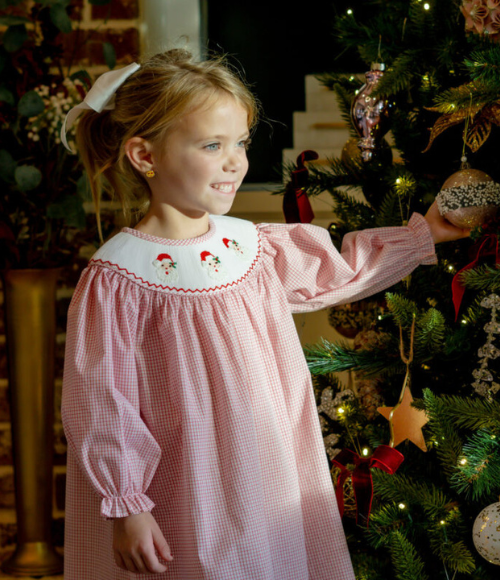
(378, 66)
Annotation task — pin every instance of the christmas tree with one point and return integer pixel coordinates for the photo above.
(423, 357)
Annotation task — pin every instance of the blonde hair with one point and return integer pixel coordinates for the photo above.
(147, 105)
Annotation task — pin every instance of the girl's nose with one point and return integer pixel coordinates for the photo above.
(232, 161)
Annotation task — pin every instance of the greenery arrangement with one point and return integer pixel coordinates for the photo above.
(42, 219)
(441, 86)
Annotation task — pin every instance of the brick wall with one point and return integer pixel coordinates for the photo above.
(118, 24)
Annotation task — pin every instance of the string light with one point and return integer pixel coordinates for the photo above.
(464, 321)
(349, 11)
(427, 6)
(402, 506)
(341, 410)
(463, 461)
(365, 451)
(442, 522)
(451, 268)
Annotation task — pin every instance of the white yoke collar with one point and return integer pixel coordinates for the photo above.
(221, 258)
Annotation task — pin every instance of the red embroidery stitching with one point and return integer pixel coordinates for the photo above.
(186, 290)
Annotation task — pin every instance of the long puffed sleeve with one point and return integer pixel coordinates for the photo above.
(101, 404)
(315, 275)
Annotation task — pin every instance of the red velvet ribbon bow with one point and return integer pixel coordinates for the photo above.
(296, 205)
(488, 246)
(384, 457)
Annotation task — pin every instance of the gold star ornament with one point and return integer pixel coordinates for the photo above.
(406, 422)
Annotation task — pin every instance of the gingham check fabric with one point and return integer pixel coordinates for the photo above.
(199, 406)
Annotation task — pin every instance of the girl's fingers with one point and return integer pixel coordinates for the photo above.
(119, 561)
(140, 566)
(152, 563)
(130, 565)
(161, 545)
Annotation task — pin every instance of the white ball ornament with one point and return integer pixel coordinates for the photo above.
(469, 198)
(486, 533)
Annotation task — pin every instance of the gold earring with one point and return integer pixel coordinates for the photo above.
(150, 173)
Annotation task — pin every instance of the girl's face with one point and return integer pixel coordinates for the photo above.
(203, 160)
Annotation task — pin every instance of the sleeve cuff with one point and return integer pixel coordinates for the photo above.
(426, 247)
(120, 507)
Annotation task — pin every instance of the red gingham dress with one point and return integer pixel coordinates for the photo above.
(186, 393)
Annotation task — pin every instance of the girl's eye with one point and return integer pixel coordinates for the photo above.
(212, 146)
(245, 143)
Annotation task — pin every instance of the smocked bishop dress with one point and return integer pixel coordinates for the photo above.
(186, 393)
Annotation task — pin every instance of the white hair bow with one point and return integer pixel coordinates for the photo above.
(100, 97)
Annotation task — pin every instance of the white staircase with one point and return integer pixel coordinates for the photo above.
(320, 127)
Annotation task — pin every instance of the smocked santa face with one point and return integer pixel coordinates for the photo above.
(204, 160)
(166, 268)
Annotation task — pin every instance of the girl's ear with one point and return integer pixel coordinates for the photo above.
(140, 154)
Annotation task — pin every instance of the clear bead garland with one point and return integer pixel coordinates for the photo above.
(484, 383)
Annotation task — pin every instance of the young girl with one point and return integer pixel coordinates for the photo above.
(195, 451)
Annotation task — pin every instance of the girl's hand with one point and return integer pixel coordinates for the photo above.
(135, 538)
(441, 229)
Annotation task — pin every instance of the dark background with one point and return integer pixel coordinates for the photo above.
(276, 46)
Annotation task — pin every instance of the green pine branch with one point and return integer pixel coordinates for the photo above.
(407, 563)
(330, 357)
(344, 100)
(402, 309)
(430, 334)
(447, 442)
(389, 211)
(351, 213)
(443, 525)
(349, 83)
(484, 66)
(485, 278)
(401, 488)
(401, 75)
(477, 473)
(472, 413)
(455, 555)
(385, 519)
(471, 96)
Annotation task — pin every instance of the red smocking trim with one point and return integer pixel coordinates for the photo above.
(188, 290)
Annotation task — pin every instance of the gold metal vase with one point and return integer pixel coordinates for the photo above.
(30, 321)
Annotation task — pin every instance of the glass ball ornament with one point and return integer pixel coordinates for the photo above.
(486, 533)
(469, 198)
